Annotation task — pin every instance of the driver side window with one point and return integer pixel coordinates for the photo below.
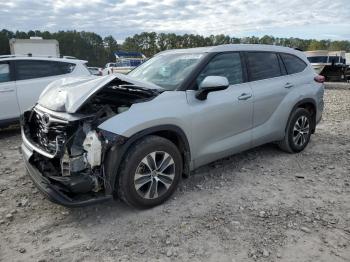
(227, 65)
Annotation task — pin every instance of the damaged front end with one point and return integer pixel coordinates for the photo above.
(65, 152)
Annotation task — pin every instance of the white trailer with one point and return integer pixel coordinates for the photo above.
(347, 58)
(35, 46)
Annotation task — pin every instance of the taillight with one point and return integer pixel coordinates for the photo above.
(319, 79)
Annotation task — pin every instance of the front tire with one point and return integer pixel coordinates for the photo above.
(298, 131)
(150, 172)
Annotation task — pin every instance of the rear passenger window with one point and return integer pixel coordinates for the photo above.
(293, 64)
(29, 69)
(262, 65)
(227, 65)
(4, 72)
(61, 68)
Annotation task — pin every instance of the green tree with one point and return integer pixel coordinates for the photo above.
(339, 45)
(90, 46)
(111, 46)
(316, 45)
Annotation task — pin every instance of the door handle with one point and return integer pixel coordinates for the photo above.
(244, 96)
(288, 85)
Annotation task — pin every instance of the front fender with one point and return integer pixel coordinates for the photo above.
(169, 108)
(166, 112)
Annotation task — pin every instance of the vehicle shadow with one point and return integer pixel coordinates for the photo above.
(115, 210)
(10, 131)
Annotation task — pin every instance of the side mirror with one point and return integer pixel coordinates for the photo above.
(211, 84)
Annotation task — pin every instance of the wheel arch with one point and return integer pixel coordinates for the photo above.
(310, 105)
(116, 153)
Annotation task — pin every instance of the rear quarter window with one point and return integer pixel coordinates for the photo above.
(61, 68)
(293, 64)
(262, 65)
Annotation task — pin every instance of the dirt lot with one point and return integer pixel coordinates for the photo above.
(261, 205)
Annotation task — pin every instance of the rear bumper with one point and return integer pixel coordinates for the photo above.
(320, 104)
(51, 191)
(319, 111)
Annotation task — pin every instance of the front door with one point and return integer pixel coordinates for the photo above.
(221, 124)
(8, 101)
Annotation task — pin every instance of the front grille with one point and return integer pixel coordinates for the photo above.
(46, 131)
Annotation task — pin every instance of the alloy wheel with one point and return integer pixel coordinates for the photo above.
(301, 131)
(154, 175)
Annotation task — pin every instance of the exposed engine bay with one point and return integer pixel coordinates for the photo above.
(69, 148)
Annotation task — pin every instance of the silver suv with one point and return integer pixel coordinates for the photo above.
(133, 136)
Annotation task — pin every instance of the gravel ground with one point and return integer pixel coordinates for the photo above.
(260, 205)
(338, 85)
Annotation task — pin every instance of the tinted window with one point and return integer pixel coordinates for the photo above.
(4, 72)
(262, 65)
(293, 64)
(28, 69)
(333, 59)
(227, 65)
(317, 59)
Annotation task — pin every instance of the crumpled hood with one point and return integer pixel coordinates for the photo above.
(68, 94)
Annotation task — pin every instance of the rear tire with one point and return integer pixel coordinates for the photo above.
(298, 131)
(150, 172)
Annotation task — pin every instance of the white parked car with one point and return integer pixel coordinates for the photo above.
(111, 68)
(23, 78)
(97, 71)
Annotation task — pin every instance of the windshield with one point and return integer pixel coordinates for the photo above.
(167, 70)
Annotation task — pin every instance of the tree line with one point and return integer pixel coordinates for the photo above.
(98, 51)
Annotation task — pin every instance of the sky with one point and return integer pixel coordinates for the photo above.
(316, 19)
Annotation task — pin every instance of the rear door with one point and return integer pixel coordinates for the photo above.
(299, 75)
(270, 85)
(32, 76)
(8, 101)
(221, 124)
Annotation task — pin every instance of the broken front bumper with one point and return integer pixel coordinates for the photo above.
(52, 192)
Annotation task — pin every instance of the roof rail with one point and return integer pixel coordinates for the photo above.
(42, 56)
